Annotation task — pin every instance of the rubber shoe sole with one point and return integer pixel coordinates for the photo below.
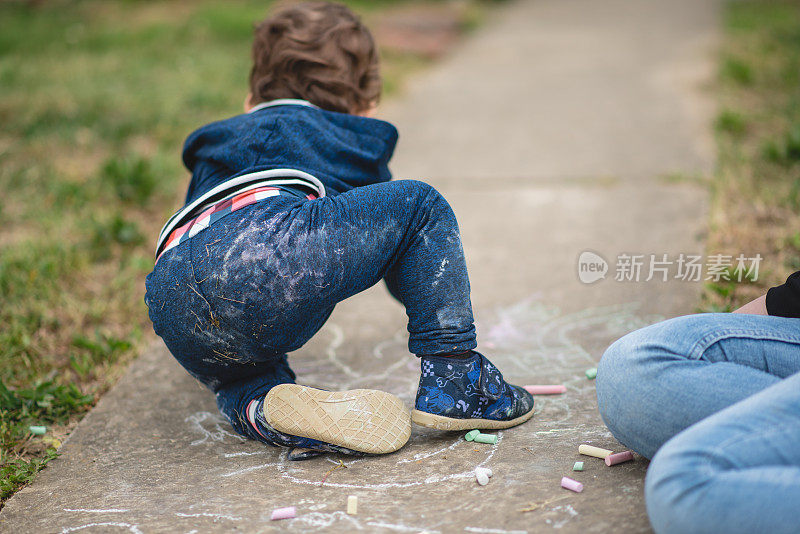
(450, 423)
(364, 420)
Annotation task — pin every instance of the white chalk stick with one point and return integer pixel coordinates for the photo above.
(483, 470)
(352, 505)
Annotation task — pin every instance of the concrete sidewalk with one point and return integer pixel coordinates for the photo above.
(552, 131)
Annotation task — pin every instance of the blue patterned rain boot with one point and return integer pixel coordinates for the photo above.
(464, 393)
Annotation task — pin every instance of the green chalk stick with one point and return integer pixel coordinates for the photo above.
(578, 466)
(591, 373)
(486, 438)
(471, 435)
(38, 430)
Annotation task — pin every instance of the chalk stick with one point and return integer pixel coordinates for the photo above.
(283, 513)
(572, 485)
(38, 430)
(618, 458)
(577, 466)
(591, 374)
(486, 438)
(481, 477)
(469, 436)
(484, 470)
(352, 505)
(555, 389)
(597, 452)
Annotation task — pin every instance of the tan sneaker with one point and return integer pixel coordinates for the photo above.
(364, 420)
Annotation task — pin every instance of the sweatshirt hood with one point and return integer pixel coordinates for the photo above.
(343, 151)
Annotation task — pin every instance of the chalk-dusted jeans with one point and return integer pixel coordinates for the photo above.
(233, 300)
(714, 399)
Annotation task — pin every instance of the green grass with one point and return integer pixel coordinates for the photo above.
(97, 97)
(731, 123)
(47, 404)
(756, 189)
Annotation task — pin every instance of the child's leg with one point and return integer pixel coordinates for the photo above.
(735, 471)
(657, 381)
(259, 284)
(274, 277)
(404, 231)
(407, 233)
(239, 372)
(227, 363)
(327, 250)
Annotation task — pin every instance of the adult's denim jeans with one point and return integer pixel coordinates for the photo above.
(714, 399)
(231, 302)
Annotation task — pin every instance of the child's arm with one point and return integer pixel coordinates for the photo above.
(755, 307)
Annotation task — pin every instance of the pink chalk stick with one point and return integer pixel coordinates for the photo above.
(570, 484)
(284, 513)
(618, 458)
(545, 390)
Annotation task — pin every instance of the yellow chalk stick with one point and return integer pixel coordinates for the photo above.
(597, 452)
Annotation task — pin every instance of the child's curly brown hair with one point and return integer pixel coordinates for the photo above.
(316, 51)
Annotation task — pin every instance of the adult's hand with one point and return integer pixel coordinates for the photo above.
(755, 307)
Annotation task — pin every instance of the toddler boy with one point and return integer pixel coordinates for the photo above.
(289, 211)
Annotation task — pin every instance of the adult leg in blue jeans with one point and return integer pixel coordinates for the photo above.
(735, 471)
(657, 382)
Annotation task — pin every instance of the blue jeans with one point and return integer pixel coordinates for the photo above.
(714, 400)
(231, 302)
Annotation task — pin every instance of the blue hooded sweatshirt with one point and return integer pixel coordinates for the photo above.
(343, 151)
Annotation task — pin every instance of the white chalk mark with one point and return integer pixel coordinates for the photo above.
(252, 468)
(96, 510)
(400, 528)
(494, 530)
(215, 517)
(532, 342)
(423, 455)
(336, 342)
(133, 529)
(570, 514)
(399, 336)
(360, 378)
(245, 453)
(284, 472)
(322, 520)
(555, 431)
(347, 464)
(218, 432)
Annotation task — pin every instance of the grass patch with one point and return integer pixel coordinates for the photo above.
(756, 190)
(48, 405)
(98, 96)
(730, 123)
